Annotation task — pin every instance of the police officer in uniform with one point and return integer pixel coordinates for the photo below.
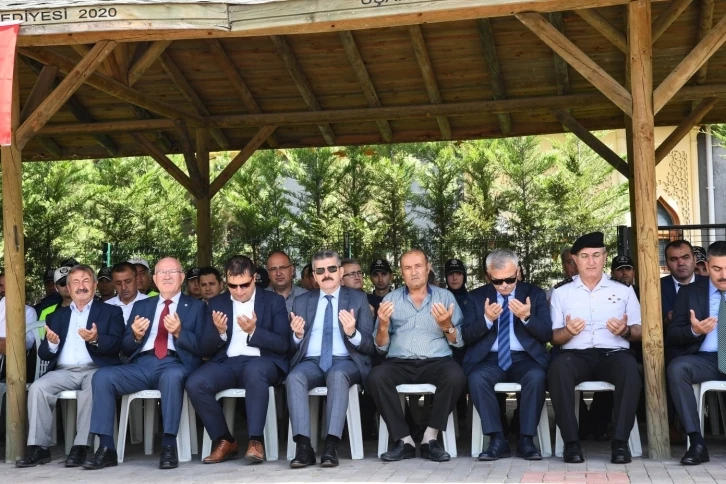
(594, 319)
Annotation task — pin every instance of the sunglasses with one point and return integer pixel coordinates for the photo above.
(61, 283)
(507, 280)
(241, 286)
(321, 270)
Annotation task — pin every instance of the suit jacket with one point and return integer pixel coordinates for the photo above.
(479, 339)
(272, 330)
(109, 323)
(668, 293)
(306, 305)
(679, 339)
(191, 313)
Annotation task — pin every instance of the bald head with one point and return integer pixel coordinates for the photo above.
(168, 277)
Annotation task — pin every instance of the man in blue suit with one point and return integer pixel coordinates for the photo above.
(80, 338)
(681, 263)
(162, 340)
(506, 343)
(247, 334)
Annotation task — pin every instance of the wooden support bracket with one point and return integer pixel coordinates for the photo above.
(166, 164)
(240, 159)
(688, 123)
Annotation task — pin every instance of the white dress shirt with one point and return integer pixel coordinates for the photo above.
(126, 308)
(315, 342)
(238, 346)
(514, 344)
(74, 351)
(154, 329)
(678, 284)
(31, 317)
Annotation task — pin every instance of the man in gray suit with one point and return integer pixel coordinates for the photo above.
(326, 356)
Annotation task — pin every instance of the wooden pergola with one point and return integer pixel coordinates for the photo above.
(106, 78)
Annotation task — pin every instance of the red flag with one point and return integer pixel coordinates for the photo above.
(8, 36)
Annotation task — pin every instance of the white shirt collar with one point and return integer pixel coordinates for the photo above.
(87, 307)
(250, 301)
(335, 294)
(174, 299)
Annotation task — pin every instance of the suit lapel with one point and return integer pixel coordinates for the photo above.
(312, 309)
(259, 306)
(703, 299)
(228, 310)
(343, 304)
(66, 323)
(182, 308)
(93, 316)
(151, 308)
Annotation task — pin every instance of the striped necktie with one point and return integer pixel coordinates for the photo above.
(505, 352)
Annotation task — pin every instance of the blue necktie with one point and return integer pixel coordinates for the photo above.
(326, 350)
(505, 353)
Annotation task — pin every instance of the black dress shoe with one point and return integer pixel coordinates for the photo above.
(77, 456)
(498, 449)
(696, 454)
(36, 456)
(304, 456)
(104, 457)
(573, 453)
(620, 453)
(330, 455)
(433, 451)
(399, 452)
(169, 458)
(527, 450)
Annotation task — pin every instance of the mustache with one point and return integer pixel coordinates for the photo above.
(328, 278)
(82, 290)
(721, 280)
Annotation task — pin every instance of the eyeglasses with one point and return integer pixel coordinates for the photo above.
(170, 272)
(241, 286)
(507, 280)
(354, 274)
(279, 268)
(321, 270)
(594, 255)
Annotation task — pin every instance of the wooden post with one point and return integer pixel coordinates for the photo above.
(204, 205)
(641, 75)
(14, 286)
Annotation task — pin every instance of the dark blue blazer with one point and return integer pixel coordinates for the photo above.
(679, 339)
(479, 339)
(191, 313)
(109, 323)
(272, 330)
(668, 293)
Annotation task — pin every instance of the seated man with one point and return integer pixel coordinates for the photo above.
(332, 338)
(693, 341)
(247, 335)
(506, 343)
(79, 339)
(416, 328)
(210, 282)
(162, 341)
(594, 319)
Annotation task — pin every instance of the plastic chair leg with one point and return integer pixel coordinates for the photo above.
(136, 426)
(149, 419)
(355, 433)
(450, 436)
(272, 445)
(123, 425)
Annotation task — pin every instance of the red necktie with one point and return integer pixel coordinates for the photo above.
(161, 343)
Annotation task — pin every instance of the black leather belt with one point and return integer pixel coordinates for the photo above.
(152, 352)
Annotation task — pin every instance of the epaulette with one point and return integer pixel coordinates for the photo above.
(562, 283)
(621, 282)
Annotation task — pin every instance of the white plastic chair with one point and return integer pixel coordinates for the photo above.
(183, 438)
(699, 390)
(270, 432)
(636, 448)
(478, 439)
(425, 389)
(352, 416)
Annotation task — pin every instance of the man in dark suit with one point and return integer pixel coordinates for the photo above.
(692, 341)
(162, 340)
(681, 263)
(506, 342)
(332, 340)
(247, 335)
(80, 338)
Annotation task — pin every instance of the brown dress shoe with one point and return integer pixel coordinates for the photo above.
(255, 451)
(223, 451)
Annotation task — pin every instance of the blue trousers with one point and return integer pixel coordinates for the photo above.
(253, 373)
(167, 375)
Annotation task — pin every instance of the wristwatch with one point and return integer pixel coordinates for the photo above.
(352, 335)
(450, 329)
(94, 342)
(626, 334)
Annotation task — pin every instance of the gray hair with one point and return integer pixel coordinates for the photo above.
(82, 268)
(326, 254)
(349, 261)
(498, 259)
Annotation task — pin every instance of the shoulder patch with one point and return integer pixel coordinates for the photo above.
(562, 283)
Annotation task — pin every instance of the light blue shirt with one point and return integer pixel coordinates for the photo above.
(514, 344)
(316, 337)
(714, 301)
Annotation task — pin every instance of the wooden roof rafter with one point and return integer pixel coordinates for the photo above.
(606, 29)
(667, 17)
(496, 78)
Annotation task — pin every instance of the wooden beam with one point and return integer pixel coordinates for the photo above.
(668, 16)
(496, 78)
(14, 255)
(592, 141)
(186, 89)
(73, 80)
(688, 123)
(113, 87)
(204, 202)
(302, 83)
(41, 89)
(166, 163)
(146, 60)
(690, 65)
(235, 79)
(50, 145)
(641, 72)
(705, 23)
(240, 159)
(429, 78)
(606, 29)
(562, 76)
(364, 80)
(578, 60)
(189, 158)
